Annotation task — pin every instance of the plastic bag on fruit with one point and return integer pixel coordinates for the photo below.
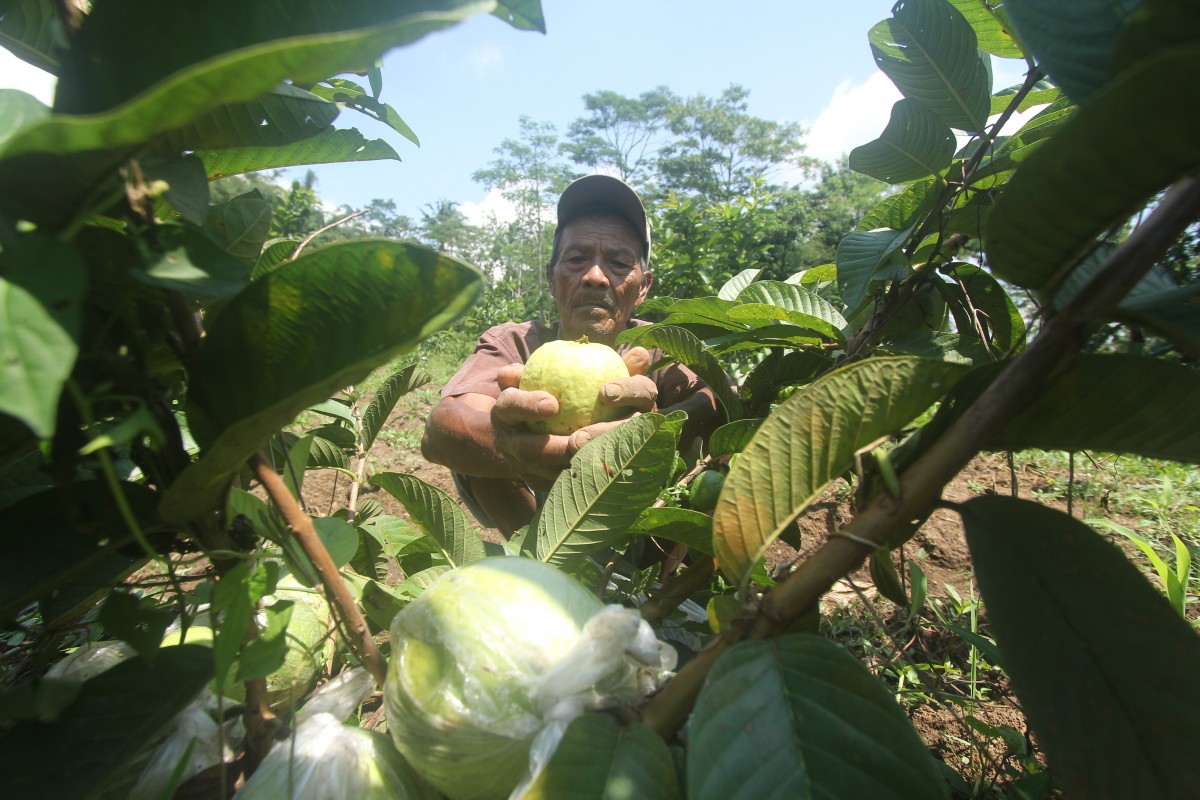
(326, 759)
(492, 663)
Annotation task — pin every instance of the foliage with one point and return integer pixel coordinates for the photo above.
(123, 431)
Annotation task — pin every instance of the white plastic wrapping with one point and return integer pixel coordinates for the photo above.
(195, 728)
(326, 759)
(89, 660)
(492, 663)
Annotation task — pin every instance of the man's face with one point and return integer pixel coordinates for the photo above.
(599, 277)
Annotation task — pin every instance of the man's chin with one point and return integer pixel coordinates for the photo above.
(597, 330)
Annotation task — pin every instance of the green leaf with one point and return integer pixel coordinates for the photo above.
(324, 454)
(396, 386)
(28, 31)
(599, 759)
(18, 110)
(339, 537)
(269, 650)
(275, 253)
(682, 525)
(1072, 40)
(240, 226)
(1013, 150)
(778, 370)
(866, 256)
(332, 146)
(901, 211)
(809, 441)
(930, 52)
(138, 622)
(1101, 663)
(524, 15)
(437, 514)
(281, 116)
(355, 97)
(991, 27)
(978, 301)
(799, 717)
(734, 286)
(685, 348)
(712, 310)
(1082, 182)
(1111, 403)
(610, 481)
(1043, 93)
(296, 336)
(809, 309)
(42, 286)
(185, 259)
(187, 186)
(133, 698)
(732, 437)
(914, 146)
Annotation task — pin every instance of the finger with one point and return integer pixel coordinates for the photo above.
(514, 406)
(637, 392)
(637, 359)
(585, 435)
(510, 377)
(532, 453)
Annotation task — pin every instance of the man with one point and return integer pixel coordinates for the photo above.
(598, 273)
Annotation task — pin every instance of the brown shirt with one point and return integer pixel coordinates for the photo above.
(512, 342)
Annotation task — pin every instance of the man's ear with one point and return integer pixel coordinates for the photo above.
(647, 282)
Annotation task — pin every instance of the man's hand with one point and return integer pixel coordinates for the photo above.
(538, 458)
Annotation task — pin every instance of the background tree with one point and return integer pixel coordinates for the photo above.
(620, 135)
(444, 227)
(719, 148)
(530, 174)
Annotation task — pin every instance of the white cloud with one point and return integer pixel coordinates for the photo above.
(485, 58)
(855, 115)
(16, 74)
(494, 204)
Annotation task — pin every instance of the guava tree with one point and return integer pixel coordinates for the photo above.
(155, 346)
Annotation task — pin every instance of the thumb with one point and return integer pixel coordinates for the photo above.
(637, 359)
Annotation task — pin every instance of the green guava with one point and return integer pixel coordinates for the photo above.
(706, 488)
(573, 372)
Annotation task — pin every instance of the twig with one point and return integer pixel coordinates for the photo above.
(678, 589)
(300, 525)
(319, 231)
(922, 483)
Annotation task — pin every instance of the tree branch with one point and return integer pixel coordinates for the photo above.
(921, 485)
(300, 525)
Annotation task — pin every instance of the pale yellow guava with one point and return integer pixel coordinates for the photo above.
(573, 372)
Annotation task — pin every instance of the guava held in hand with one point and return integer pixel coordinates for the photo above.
(573, 371)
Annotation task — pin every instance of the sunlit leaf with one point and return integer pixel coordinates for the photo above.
(396, 386)
(930, 52)
(683, 525)
(685, 348)
(437, 514)
(866, 256)
(914, 146)
(599, 496)
(901, 210)
(734, 286)
(991, 27)
(809, 441)
(333, 146)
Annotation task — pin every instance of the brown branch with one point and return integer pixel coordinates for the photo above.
(678, 589)
(922, 484)
(300, 524)
(303, 244)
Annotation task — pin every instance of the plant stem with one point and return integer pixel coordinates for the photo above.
(300, 524)
(1060, 339)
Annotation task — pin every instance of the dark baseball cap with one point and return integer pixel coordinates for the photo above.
(599, 194)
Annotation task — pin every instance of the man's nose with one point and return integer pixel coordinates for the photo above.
(595, 276)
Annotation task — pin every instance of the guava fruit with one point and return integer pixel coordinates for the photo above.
(706, 488)
(573, 372)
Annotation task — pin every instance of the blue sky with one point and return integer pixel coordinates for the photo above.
(464, 90)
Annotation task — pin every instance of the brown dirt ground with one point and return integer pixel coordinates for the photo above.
(939, 544)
